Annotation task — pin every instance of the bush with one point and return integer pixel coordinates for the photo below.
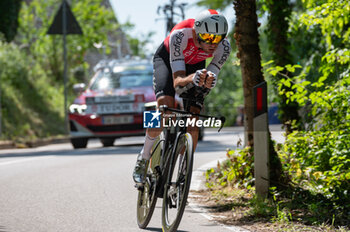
(320, 162)
(237, 170)
(318, 159)
(31, 105)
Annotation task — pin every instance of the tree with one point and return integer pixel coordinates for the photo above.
(278, 24)
(97, 21)
(9, 10)
(247, 42)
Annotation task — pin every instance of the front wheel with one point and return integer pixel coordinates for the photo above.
(146, 202)
(79, 142)
(177, 187)
(147, 197)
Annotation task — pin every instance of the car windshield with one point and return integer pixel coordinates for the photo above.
(129, 79)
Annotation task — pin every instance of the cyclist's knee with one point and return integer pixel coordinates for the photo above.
(153, 132)
(195, 109)
(166, 100)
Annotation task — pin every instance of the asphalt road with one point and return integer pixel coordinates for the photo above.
(56, 188)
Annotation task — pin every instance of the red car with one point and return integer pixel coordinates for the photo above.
(112, 106)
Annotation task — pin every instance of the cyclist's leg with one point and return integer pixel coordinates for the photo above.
(152, 133)
(194, 131)
(164, 90)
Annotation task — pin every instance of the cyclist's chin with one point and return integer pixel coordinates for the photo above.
(209, 50)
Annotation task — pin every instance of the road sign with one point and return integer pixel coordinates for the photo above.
(261, 140)
(72, 25)
(65, 23)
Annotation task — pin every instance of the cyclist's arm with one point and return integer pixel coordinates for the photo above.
(177, 43)
(220, 56)
(180, 78)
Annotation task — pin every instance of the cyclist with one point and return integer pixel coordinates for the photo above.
(180, 60)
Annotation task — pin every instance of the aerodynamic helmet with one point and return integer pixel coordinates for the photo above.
(210, 26)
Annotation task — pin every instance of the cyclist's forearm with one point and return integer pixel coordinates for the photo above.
(180, 78)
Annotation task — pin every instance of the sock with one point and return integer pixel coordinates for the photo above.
(146, 150)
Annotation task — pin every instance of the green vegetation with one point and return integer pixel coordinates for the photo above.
(9, 10)
(31, 108)
(316, 156)
(31, 67)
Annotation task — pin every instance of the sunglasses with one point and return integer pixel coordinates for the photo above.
(210, 38)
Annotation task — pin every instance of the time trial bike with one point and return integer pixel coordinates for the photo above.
(169, 171)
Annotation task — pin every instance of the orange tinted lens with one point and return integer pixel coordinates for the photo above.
(210, 38)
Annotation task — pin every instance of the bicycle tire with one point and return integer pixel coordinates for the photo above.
(147, 198)
(179, 185)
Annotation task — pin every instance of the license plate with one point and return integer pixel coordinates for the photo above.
(114, 120)
(104, 99)
(114, 108)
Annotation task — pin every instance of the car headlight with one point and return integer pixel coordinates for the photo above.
(77, 109)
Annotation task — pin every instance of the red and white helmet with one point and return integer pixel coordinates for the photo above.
(211, 22)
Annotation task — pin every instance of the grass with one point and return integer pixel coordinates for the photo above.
(241, 207)
(31, 102)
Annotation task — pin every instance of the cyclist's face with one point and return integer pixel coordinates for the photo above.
(208, 48)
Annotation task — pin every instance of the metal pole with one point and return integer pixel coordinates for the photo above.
(172, 15)
(64, 19)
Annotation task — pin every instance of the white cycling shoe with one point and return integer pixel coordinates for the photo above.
(139, 171)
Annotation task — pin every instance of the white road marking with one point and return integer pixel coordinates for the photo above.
(198, 183)
(19, 161)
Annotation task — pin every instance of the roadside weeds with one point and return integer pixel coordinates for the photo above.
(233, 207)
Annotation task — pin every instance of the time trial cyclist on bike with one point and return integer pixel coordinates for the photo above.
(179, 61)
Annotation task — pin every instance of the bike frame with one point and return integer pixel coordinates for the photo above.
(172, 136)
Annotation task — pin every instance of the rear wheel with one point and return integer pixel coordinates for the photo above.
(79, 142)
(147, 198)
(177, 187)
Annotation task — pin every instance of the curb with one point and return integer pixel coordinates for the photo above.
(198, 183)
(32, 144)
(7, 144)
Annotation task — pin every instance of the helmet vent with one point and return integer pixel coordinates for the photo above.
(206, 27)
(217, 27)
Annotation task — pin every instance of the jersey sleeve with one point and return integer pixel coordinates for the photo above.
(177, 44)
(220, 56)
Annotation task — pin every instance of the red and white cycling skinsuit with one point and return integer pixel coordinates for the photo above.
(182, 50)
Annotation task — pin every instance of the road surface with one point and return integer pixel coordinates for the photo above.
(55, 188)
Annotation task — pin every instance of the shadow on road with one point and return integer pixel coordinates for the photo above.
(159, 229)
(130, 149)
(119, 149)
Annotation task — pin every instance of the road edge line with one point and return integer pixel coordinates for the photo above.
(198, 183)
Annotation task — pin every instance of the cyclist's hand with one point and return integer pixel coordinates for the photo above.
(211, 80)
(199, 77)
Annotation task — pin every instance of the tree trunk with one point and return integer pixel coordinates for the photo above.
(247, 41)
